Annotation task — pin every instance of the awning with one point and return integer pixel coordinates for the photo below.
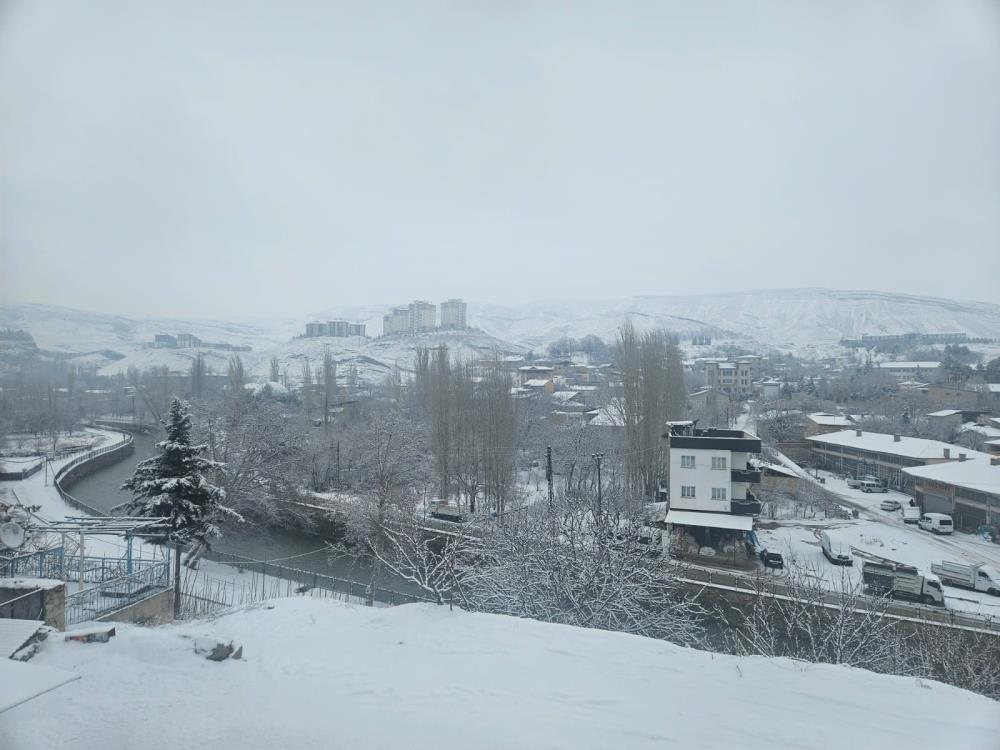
(21, 681)
(710, 520)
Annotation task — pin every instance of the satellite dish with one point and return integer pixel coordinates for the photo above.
(11, 535)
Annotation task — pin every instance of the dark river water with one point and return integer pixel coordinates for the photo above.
(101, 490)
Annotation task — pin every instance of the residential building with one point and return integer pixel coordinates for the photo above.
(923, 371)
(946, 418)
(540, 385)
(882, 455)
(770, 390)
(710, 476)
(453, 314)
(396, 321)
(967, 490)
(187, 341)
(534, 372)
(334, 328)
(952, 396)
(734, 378)
(164, 341)
(423, 316)
(822, 423)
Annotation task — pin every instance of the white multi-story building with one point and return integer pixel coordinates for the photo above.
(423, 316)
(734, 378)
(396, 321)
(709, 474)
(453, 314)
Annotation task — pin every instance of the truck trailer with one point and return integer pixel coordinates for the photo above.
(902, 582)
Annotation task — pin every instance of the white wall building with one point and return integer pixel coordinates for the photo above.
(709, 472)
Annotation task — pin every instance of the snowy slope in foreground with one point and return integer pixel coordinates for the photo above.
(322, 674)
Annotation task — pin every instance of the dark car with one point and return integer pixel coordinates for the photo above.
(771, 559)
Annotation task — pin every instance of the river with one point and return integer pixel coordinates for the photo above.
(308, 551)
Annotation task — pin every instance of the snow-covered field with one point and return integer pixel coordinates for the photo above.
(883, 533)
(320, 674)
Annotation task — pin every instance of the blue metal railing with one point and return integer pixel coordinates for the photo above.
(114, 594)
(100, 569)
(46, 563)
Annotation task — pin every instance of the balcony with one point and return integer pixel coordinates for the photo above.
(748, 507)
(745, 475)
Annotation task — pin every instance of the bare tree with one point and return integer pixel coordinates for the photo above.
(275, 370)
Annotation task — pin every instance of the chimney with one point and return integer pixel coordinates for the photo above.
(947, 452)
(961, 456)
(857, 433)
(897, 437)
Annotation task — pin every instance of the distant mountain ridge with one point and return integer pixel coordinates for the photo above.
(807, 321)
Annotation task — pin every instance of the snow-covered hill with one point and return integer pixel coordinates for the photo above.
(803, 321)
(799, 320)
(320, 674)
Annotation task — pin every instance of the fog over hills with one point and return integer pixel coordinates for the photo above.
(803, 321)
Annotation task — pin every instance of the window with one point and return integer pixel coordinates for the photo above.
(687, 462)
(718, 493)
(687, 491)
(719, 462)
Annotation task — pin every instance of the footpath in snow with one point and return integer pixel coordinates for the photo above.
(321, 674)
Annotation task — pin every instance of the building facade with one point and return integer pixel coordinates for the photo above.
(710, 471)
(453, 314)
(967, 490)
(334, 328)
(734, 378)
(423, 316)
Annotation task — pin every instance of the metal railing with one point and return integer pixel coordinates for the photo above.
(100, 569)
(304, 581)
(46, 563)
(114, 594)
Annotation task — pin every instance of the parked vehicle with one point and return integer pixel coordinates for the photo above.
(869, 485)
(835, 551)
(910, 514)
(938, 523)
(975, 577)
(890, 505)
(444, 511)
(902, 582)
(853, 483)
(772, 559)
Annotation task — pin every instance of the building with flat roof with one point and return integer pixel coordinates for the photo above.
(922, 371)
(734, 378)
(883, 455)
(967, 490)
(710, 471)
(822, 423)
(334, 328)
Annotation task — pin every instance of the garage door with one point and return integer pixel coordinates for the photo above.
(937, 504)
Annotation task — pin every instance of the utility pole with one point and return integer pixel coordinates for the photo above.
(548, 472)
(338, 463)
(597, 457)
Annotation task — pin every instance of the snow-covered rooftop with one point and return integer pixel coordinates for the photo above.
(973, 475)
(909, 447)
(536, 383)
(945, 413)
(564, 395)
(831, 420)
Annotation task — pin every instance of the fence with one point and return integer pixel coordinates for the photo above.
(202, 595)
(117, 593)
(46, 563)
(100, 569)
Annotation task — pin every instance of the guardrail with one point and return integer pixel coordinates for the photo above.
(8, 476)
(126, 443)
(117, 593)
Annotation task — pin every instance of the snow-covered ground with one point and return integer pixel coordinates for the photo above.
(883, 533)
(318, 674)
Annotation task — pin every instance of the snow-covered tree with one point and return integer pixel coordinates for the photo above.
(174, 485)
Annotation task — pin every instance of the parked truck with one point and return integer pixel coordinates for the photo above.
(902, 582)
(975, 577)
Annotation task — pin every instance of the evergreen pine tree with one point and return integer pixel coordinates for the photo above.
(173, 485)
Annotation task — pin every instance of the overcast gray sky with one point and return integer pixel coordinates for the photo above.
(195, 158)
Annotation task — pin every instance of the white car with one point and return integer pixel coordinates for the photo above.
(890, 505)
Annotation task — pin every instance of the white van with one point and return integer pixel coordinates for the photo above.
(939, 523)
(835, 551)
(870, 485)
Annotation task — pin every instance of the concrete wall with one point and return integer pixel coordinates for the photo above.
(48, 604)
(97, 462)
(157, 609)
